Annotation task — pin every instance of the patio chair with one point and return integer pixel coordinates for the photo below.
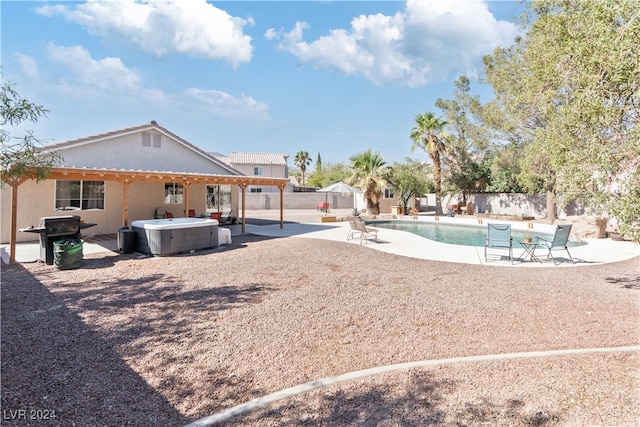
(192, 213)
(169, 215)
(499, 237)
(358, 229)
(558, 242)
(216, 216)
(228, 219)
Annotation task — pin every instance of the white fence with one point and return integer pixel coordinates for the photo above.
(492, 203)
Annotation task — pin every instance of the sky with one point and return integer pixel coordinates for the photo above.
(333, 78)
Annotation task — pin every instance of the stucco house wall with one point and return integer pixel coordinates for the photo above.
(125, 149)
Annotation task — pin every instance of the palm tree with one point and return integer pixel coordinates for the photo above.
(369, 174)
(302, 160)
(427, 135)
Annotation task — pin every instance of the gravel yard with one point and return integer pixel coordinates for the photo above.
(165, 341)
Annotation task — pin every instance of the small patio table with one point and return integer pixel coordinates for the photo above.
(529, 251)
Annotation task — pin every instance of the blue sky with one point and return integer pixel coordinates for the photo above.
(328, 77)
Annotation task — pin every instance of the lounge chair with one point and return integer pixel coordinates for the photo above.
(499, 237)
(358, 229)
(558, 242)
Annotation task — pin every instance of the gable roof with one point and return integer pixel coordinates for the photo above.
(152, 125)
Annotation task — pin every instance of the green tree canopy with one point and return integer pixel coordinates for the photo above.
(22, 157)
(369, 173)
(409, 180)
(330, 173)
(571, 87)
(302, 160)
(427, 134)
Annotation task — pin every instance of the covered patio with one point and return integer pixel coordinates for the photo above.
(127, 177)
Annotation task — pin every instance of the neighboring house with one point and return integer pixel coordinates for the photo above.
(271, 165)
(117, 177)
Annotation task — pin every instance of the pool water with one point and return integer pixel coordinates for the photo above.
(455, 234)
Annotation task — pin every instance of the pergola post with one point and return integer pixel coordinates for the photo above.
(187, 197)
(281, 187)
(243, 188)
(13, 222)
(125, 202)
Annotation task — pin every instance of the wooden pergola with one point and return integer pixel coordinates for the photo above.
(128, 177)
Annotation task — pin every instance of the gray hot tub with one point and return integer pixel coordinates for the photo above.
(175, 235)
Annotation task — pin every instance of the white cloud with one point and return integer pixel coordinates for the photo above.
(425, 42)
(28, 65)
(220, 103)
(163, 27)
(111, 82)
(104, 74)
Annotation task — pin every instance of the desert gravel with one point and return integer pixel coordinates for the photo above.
(130, 340)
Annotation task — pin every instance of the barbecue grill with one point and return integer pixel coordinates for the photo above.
(53, 228)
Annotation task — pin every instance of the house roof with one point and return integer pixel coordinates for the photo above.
(240, 158)
(152, 125)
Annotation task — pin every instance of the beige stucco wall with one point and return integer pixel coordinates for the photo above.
(127, 152)
(271, 171)
(38, 200)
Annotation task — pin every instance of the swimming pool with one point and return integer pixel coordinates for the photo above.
(455, 234)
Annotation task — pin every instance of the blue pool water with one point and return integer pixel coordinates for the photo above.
(455, 234)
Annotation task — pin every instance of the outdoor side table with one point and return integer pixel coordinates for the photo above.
(529, 251)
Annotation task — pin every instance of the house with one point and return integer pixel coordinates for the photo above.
(114, 178)
(271, 165)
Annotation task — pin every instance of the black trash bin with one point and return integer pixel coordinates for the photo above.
(67, 254)
(126, 240)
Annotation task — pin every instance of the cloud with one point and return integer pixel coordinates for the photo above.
(28, 65)
(220, 103)
(425, 42)
(92, 79)
(164, 27)
(104, 74)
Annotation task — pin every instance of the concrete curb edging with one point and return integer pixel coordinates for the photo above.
(263, 401)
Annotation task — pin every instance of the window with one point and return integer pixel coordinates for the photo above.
(79, 195)
(173, 193)
(257, 171)
(218, 198)
(256, 190)
(388, 193)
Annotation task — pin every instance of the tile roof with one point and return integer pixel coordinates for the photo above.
(237, 158)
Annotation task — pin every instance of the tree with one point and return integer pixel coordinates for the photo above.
(319, 164)
(467, 142)
(302, 160)
(427, 135)
(409, 180)
(22, 157)
(370, 175)
(573, 83)
(329, 174)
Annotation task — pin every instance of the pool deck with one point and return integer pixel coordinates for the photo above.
(310, 224)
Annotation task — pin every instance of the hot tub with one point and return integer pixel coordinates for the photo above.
(175, 235)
